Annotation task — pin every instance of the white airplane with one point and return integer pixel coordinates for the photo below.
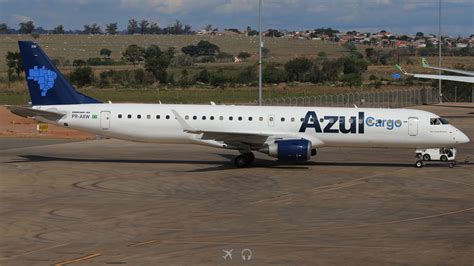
(469, 78)
(287, 133)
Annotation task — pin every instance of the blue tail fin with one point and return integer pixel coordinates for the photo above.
(46, 84)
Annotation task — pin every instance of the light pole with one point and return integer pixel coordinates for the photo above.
(440, 93)
(260, 45)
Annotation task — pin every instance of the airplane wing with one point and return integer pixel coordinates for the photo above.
(442, 77)
(26, 111)
(425, 64)
(235, 138)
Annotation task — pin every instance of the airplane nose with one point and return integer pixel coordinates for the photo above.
(462, 138)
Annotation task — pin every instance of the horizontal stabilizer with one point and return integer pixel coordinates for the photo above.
(25, 111)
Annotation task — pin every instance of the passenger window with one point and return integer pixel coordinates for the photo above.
(292, 119)
(139, 116)
(167, 117)
(271, 118)
(282, 119)
(120, 116)
(212, 117)
(148, 116)
(302, 119)
(186, 117)
(129, 116)
(157, 116)
(231, 118)
(203, 117)
(195, 117)
(260, 118)
(221, 117)
(240, 118)
(250, 118)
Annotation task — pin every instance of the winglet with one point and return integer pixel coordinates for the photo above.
(186, 127)
(397, 66)
(424, 62)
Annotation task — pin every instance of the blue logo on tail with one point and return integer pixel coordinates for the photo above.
(44, 77)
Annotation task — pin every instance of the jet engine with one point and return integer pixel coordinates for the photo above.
(290, 150)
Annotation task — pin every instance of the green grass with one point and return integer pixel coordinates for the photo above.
(84, 46)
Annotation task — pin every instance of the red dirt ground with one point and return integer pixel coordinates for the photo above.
(12, 125)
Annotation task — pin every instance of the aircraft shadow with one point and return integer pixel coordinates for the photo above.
(220, 165)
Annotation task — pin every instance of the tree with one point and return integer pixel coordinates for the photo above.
(243, 55)
(274, 33)
(208, 27)
(203, 48)
(78, 63)
(371, 54)
(58, 29)
(92, 29)
(350, 46)
(134, 54)
(187, 29)
(14, 62)
(105, 52)
(82, 76)
(132, 27)
(111, 28)
(4, 28)
(265, 52)
(420, 34)
(177, 28)
(274, 74)
(204, 76)
(297, 68)
(157, 62)
(26, 27)
(251, 32)
(144, 26)
(154, 28)
(352, 79)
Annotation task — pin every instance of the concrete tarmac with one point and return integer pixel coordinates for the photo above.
(112, 202)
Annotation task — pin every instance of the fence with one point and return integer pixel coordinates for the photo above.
(377, 99)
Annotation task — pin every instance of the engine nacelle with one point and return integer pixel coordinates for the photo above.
(291, 150)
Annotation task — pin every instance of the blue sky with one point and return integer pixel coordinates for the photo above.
(400, 16)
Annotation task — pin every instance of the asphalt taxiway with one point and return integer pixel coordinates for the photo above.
(116, 202)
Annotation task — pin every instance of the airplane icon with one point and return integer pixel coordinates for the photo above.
(228, 254)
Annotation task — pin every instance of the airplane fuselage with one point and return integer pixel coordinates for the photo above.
(323, 126)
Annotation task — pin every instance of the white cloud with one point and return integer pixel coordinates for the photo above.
(165, 6)
(15, 18)
(234, 6)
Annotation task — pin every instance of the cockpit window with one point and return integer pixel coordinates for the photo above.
(434, 121)
(443, 121)
(439, 121)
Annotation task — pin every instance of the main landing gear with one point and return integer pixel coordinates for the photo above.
(244, 159)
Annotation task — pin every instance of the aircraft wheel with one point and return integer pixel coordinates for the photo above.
(426, 157)
(249, 157)
(240, 161)
(419, 164)
(444, 158)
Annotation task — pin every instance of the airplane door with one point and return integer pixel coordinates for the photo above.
(413, 126)
(105, 120)
(271, 120)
